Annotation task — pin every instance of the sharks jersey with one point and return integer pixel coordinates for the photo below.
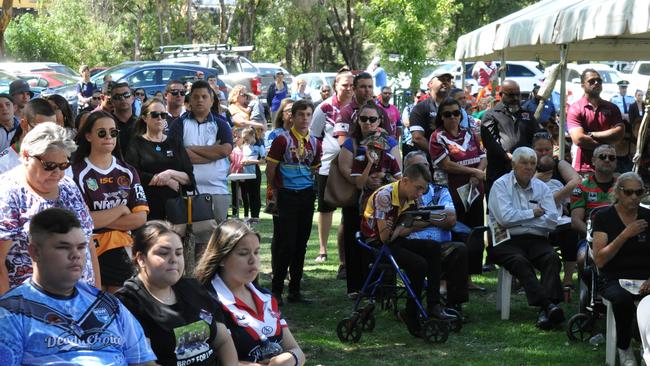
(88, 328)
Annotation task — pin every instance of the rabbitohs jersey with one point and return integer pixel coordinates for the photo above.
(87, 328)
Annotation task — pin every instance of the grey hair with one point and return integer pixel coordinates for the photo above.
(624, 178)
(45, 136)
(412, 155)
(603, 147)
(523, 152)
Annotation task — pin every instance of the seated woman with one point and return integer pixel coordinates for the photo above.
(621, 251)
(227, 268)
(181, 320)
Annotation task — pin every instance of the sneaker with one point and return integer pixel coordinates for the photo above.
(626, 357)
(555, 314)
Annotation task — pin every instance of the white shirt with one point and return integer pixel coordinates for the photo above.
(210, 177)
(510, 206)
(321, 125)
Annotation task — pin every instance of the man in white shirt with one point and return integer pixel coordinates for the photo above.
(522, 214)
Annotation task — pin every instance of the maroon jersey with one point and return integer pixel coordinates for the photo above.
(105, 189)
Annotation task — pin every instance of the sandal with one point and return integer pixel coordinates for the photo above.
(321, 258)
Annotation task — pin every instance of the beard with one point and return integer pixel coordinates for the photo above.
(513, 108)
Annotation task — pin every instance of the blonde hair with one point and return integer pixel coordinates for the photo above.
(234, 93)
(224, 239)
(248, 135)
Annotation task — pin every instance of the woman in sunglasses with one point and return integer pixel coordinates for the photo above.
(621, 246)
(113, 193)
(358, 165)
(459, 153)
(164, 167)
(35, 185)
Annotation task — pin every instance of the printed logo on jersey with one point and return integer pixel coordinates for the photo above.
(206, 316)
(139, 192)
(592, 197)
(123, 182)
(102, 315)
(94, 339)
(267, 330)
(192, 343)
(91, 183)
(112, 199)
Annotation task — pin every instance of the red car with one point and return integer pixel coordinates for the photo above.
(48, 79)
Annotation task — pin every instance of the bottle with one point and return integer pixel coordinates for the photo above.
(268, 348)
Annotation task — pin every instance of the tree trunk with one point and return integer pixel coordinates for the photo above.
(138, 32)
(4, 24)
(161, 31)
(189, 21)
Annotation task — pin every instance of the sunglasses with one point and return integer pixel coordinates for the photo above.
(122, 96)
(96, 98)
(139, 94)
(595, 81)
(449, 114)
(368, 119)
(629, 192)
(511, 95)
(177, 92)
(542, 135)
(604, 157)
(49, 166)
(162, 115)
(102, 133)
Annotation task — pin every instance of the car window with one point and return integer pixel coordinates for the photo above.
(231, 64)
(248, 66)
(143, 78)
(518, 71)
(178, 74)
(609, 77)
(330, 80)
(644, 69)
(573, 74)
(314, 82)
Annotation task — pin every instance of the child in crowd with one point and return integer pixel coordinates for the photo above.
(253, 155)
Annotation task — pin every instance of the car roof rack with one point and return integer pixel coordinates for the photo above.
(202, 48)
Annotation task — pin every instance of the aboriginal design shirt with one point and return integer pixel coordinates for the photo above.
(18, 205)
(87, 328)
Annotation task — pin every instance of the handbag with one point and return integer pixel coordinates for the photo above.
(203, 222)
(338, 191)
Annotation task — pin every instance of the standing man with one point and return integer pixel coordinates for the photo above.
(325, 93)
(85, 88)
(175, 97)
(423, 115)
(53, 318)
(592, 121)
(292, 162)
(622, 100)
(362, 87)
(391, 111)
(504, 128)
(122, 102)
(21, 93)
(208, 140)
(322, 126)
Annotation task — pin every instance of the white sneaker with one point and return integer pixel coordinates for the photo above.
(626, 357)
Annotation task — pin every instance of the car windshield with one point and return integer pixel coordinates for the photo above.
(330, 80)
(6, 79)
(63, 78)
(116, 73)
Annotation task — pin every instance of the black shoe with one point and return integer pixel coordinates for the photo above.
(298, 298)
(278, 299)
(437, 312)
(555, 314)
(342, 273)
(412, 323)
(543, 322)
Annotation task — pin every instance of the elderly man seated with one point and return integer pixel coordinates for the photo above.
(522, 214)
(453, 254)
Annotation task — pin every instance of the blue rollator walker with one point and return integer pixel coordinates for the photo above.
(374, 288)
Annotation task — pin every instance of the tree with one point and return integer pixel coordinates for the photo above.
(348, 30)
(4, 23)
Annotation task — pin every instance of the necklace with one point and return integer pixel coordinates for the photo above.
(169, 299)
(156, 140)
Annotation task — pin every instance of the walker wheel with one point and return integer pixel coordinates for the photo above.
(580, 327)
(349, 330)
(367, 322)
(435, 331)
(456, 324)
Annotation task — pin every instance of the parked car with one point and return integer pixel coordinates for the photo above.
(638, 74)
(266, 73)
(54, 83)
(230, 67)
(525, 73)
(151, 76)
(314, 81)
(97, 69)
(29, 67)
(6, 78)
(574, 86)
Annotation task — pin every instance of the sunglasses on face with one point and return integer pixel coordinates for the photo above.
(511, 95)
(96, 98)
(595, 81)
(122, 96)
(49, 166)
(177, 92)
(139, 94)
(161, 115)
(605, 157)
(449, 114)
(368, 119)
(629, 192)
(102, 133)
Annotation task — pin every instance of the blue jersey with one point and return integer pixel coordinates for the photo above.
(88, 328)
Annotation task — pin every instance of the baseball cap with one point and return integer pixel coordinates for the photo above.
(20, 86)
(439, 73)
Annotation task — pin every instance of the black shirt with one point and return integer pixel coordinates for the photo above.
(150, 158)
(183, 332)
(127, 130)
(423, 117)
(502, 132)
(631, 261)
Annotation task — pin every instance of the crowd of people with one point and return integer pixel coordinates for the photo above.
(91, 270)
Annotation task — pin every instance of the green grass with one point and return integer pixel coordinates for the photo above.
(485, 340)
